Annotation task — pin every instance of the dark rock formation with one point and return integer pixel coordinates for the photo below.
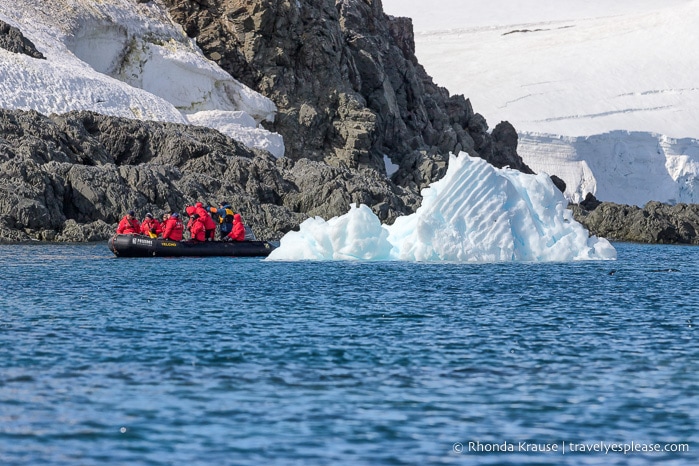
(590, 202)
(347, 84)
(501, 149)
(654, 223)
(71, 177)
(559, 183)
(13, 40)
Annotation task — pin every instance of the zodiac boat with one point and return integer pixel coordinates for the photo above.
(143, 246)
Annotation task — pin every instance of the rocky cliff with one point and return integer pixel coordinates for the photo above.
(347, 84)
(351, 96)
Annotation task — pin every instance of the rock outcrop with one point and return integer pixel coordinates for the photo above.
(13, 40)
(347, 84)
(653, 223)
(71, 177)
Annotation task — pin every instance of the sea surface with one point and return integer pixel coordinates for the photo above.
(230, 361)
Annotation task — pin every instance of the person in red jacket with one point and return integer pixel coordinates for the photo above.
(166, 216)
(191, 211)
(173, 228)
(209, 223)
(198, 229)
(151, 226)
(238, 231)
(129, 225)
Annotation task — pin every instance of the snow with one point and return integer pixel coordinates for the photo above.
(241, 126)
(125, 59)
(389, 166)
(603, 94)
(476, 213)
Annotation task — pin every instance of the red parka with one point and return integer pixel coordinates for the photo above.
(151, 225)
(198, 230)
(238, 231)
(209, 222)
(129, 226)
(173, 229)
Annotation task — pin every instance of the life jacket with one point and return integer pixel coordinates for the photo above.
(226, 219)
(151, 227)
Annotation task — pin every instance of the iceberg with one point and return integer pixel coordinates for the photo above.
(476, 213)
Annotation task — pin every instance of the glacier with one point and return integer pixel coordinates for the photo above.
(602, 93)
(476, 213)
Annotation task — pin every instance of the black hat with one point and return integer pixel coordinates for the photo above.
(132, 213)
(149, 215)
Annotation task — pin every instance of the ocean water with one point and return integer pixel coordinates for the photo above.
(222, 361)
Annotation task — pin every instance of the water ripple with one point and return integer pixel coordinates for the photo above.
(239, 361)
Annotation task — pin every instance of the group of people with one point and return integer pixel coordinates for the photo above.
(202, 224)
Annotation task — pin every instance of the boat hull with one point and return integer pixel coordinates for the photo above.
(142, 246)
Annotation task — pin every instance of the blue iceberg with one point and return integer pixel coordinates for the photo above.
(476, 213)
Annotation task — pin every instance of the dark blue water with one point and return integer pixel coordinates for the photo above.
(240, 361)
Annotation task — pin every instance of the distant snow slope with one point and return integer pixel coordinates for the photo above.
(125, 58)
(604, 94)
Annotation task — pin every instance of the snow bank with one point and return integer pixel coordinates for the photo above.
(476, 213)
(242, 127)
(125, 59)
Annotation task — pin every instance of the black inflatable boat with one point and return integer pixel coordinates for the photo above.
(143, 246)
